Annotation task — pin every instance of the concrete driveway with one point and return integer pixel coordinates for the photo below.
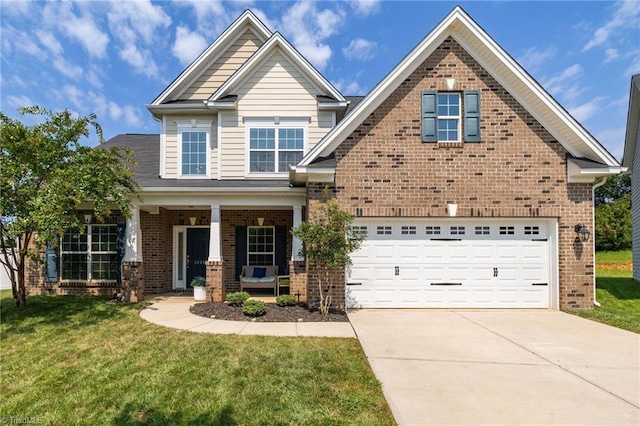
(501, 367)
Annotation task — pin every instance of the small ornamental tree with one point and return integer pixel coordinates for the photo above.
(328, 239)
(45, 174)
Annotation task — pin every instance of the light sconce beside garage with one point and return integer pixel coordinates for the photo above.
(583, 232)
(87, 218)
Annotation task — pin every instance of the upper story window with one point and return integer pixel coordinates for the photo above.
(194, 142)
(451, 116)
(272, 148)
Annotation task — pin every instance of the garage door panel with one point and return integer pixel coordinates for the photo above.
(492, 269)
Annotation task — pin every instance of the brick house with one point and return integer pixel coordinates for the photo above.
(471, 181)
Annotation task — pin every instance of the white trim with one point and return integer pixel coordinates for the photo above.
(163, 147)
(631, 133)
(577, 174)
(448, 27)
(176, 282)
(194, 125)
(219, 136)
(133, 237)
(215, 239)
(263, 53)
(246, 18)
(276, 123)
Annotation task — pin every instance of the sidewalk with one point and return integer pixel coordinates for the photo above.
(174, 312)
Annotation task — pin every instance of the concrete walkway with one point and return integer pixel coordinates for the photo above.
(502, 367)
(174, 312)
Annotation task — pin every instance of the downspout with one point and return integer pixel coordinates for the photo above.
(593, 197)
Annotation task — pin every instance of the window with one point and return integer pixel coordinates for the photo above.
(272, 150)
(91, 255)
(383, 230)
(457, 230)
(261, 245)
(531, 230)
(451, 116)
(194, 148)
(408, 230)
(432, 230)
(482, 230)
(507, 230)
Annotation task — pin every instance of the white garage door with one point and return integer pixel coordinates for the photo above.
(452, 264)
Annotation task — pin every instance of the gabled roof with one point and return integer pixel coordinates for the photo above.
(206, 58)
(502, 67)
(633, 123)
(253, 63)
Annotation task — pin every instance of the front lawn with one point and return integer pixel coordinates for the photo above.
(617, 293)
(85, 361)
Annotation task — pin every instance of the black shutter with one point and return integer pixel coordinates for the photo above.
(429, 117)
(51, 270)
(120, 250)
(241, 249)
(472, 116)
(281, 249)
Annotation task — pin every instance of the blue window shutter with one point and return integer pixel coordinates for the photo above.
(241, 248)
(472, 116)
(51, 271)
(429, 117)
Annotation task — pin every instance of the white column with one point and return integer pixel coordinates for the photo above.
(215, 254)
(133, 237)
(296, 244)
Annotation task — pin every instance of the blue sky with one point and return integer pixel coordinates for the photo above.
(113, 58)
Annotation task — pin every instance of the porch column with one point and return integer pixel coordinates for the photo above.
(133, 237)
(296, 244)
(215, 253)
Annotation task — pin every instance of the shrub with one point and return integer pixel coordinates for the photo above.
(238, 298)
(254, 308)
(199, 282)
(285, 300)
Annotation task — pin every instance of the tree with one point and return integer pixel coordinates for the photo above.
(615, 187)
(328, 239)
(613, 225)
(45, 174)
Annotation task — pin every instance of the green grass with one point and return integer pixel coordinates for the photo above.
(79, 360)
(604, 258)
(619, 298)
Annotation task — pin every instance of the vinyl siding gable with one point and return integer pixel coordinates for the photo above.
(635, 209)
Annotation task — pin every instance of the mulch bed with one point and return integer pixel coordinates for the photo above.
(275, 313)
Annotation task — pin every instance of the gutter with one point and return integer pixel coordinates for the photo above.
(593, 196)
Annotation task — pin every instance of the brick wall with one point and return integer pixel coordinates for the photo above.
(517, 170)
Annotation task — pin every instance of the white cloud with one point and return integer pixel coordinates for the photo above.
(17, 102)
(140, 60)
(348, 87)
(16, 8)
(586, 110)
(71, 71)
(188, 45)
(360, 49)
(571, 94)
(310, 27)
(128, 113)
(366, 7)
(71, 95)
(14, 40)
(534, 59)
(610, 54)
(634, 65)
(556, 84)
(626, 15)
(82, 29)
(211, 16)
(48, 40)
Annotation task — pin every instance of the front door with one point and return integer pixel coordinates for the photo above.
(197, 253)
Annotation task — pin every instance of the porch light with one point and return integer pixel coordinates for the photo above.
(260, 221)
(87, 218)
(192, 220)
(583, 232)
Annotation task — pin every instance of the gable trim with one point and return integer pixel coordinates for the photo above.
(566, 130)
(632, 135)
(249, 67)
(215, 50)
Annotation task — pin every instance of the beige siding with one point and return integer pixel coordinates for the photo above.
(277, 88)
(207, 83)
(172, 165)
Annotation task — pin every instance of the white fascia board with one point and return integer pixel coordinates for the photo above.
(276, 40)
(329, 106)
(226, 105)
(176, 108)
(303, 174)
(444, 29)
(209, 190)
(247, 16)
(577, 174)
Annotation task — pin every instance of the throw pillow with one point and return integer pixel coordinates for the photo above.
(259, 272)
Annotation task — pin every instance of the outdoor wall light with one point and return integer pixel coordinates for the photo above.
(192, 220)
(87, 218)
(260, 221)
(583, 232)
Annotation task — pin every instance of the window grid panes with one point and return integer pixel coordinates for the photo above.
(432, 230)
(457, 230)
(448, 109)
(261, 245)
(408, 230)
(507, 230)
(91, 254)
(482, 230)
(194, 153)
(272, 151)
(383, 230)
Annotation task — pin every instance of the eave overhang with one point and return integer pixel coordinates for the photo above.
(584, 171)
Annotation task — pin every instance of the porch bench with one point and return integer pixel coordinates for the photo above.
(254, 276)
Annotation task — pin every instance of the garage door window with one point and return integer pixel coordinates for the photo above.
(531, 230)
(408, 230)
(507, 230)
(383, 230)
(432, 230)
(457, 230)
(482, 230)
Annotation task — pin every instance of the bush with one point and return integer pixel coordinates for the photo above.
(254, 308)
(238, 298)
(286, 300)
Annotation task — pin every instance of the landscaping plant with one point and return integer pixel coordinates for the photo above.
(238, 298)
(254, 308)
(286, 300)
